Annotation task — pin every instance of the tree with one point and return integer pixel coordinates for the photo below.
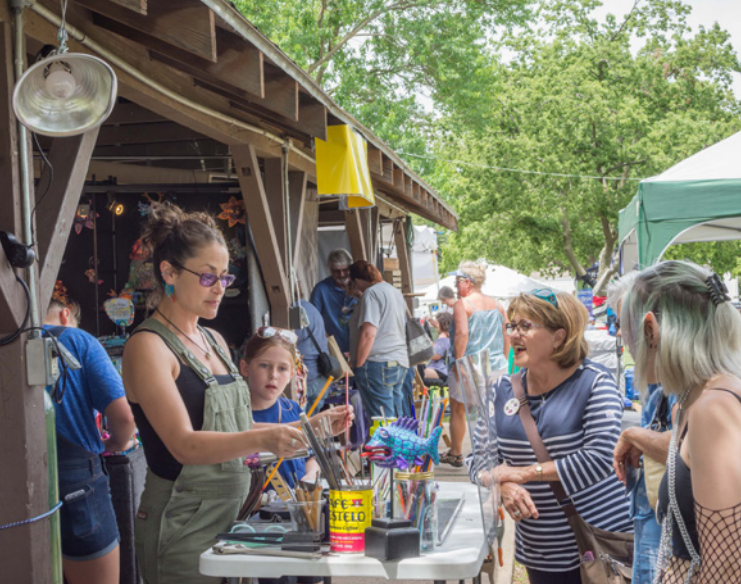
(388, 62)
(617, 100)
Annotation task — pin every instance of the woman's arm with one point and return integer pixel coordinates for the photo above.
(713, 446)
(148, 378)
(460, 321)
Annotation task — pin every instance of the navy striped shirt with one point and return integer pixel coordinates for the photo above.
(579, 422)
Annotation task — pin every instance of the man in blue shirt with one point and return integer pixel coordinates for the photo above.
(309, 350)
(331, 298)
(90, 550)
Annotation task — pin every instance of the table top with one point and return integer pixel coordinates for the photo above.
(459, 557)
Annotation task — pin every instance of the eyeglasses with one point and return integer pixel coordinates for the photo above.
(547, 295)
(266, 332)
(206, 279)
(523, 327)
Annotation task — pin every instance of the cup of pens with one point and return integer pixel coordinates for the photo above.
(415, 498)
(306, 515)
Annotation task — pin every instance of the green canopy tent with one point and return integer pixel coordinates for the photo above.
(698, 199)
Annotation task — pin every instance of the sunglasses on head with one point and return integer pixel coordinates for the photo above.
(266, 332)
(206, 279)
(547, 295)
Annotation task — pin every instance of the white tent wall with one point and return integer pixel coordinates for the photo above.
(424, 254)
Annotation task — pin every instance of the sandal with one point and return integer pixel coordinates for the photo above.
(456, 461)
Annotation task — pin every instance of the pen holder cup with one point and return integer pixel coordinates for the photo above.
(415, 499)
(306, 516)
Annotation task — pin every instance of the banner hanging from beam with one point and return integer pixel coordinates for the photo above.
(342, 167)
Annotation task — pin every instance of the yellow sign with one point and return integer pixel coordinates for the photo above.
(350, 513)
(342, 167)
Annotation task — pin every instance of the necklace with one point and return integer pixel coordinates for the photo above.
(206, 352)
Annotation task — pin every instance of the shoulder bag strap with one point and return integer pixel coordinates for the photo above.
(313, 340)
(537, 443)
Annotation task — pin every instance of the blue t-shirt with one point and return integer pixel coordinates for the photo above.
(336, 308)
(283, 411)
(92, 387)
(306, 346)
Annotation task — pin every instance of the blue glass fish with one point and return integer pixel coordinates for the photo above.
(398, 445)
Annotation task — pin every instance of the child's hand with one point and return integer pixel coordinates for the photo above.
(285, 440)
(340, 418)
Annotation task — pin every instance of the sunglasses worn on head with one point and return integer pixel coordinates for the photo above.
(266, 332)
(206, 279)
(547, 295)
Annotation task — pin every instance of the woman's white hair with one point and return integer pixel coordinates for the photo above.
(617, 289)
(476, 270)
(697, 339)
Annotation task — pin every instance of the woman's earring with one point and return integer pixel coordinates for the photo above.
(169, 290)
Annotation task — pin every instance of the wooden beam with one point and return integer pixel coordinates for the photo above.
(136, 174)
(281, 92)
(131, 113)
(357, 234)
(187, 25)
(146, 134)
(12, 299)
(375, 244)
(261, 224)
(139, 6)
(399, 177)
(375, 159)
(276, 196)
(297, 182)
(56, 213)
(26, 552)
(312, 118)
(405, 262)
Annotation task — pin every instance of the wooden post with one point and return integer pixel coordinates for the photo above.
(357, 233)
(405, 263)
(276, 197)
(297, 192)
(263, 230)
(25, 551)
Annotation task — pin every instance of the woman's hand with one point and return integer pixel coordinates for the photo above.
(284, 440)
(518, 503)
(340, 418)
(626, 452)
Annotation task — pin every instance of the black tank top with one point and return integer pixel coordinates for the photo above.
(685, 498)
(193, 392)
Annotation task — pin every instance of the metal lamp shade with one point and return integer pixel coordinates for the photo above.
(87, 107)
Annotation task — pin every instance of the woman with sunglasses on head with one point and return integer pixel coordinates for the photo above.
(684, 333)
(577, 410)
(478, 325)
(190, 403)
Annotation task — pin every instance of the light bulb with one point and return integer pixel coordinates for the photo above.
(59, 82)
(118, 209)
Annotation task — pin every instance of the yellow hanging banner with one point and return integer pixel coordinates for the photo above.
(342, 167)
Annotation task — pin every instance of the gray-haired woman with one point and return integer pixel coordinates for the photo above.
(685, 334)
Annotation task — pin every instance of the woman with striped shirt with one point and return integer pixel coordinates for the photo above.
(577, 409)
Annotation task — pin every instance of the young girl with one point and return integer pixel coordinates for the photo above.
(267, 361)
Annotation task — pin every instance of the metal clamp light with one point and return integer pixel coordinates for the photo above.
(65, 94)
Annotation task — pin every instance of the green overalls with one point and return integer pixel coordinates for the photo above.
(177, 521)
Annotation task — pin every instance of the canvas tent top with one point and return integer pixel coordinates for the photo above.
(698, 199)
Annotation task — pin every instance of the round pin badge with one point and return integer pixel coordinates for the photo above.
(512, 407)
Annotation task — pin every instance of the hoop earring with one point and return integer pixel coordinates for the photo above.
(169, 290)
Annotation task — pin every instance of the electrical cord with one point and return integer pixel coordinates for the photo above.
(40, 199)
(13, 336)
(33, 519)
(57, 392)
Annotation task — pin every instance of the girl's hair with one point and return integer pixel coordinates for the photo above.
(255, 346)
(570, 316)
(444, 321)
(176, 236)
(696, 338)
(362, 270)
(446, 293)
(476, 270)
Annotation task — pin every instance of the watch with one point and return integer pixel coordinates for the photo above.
(539, 470)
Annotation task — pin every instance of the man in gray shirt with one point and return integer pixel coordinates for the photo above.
(378, 344)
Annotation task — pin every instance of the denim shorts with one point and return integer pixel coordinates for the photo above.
(381, 387)
(88, 522)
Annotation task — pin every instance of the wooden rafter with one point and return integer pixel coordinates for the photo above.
(70, 158)
(262, 226)
(357, 233)
(405, 264)
(297, 182)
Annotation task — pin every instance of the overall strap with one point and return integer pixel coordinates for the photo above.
(174, 342)
(541, 452)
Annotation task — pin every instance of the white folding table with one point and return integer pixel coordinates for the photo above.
(459, 557)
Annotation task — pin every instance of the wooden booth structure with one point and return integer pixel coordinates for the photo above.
(210, 113)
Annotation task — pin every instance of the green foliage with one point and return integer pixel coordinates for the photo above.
(721, 256)
(623, 99)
